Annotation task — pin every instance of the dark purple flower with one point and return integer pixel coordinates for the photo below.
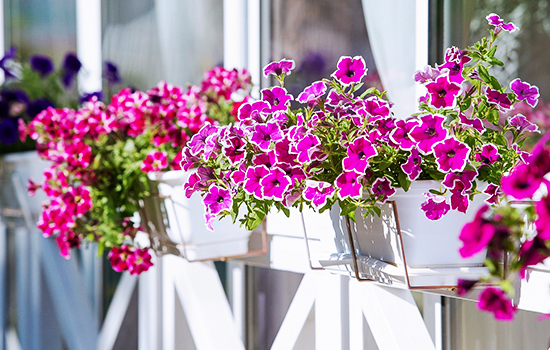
(400, 135)
(7, 64)
(412, 166)
(494, 194)
(348, 185)
(265, 133)
(382, 187)
(464, 286)
(350, 70)
(89, 95)
(520, 123)
(71, 66)
(284, 66)
(475, 123)
(498, 99)
(9, 133)
(465, 177)
(312, 93)
(111, 73)
(451, 154)
(442, 92)
(435, 206)
(475, 235)
(42, 64)
(218, 199)
(429, 132)
(275, 184)
(489, 155)
(358, 154)
(318, 193)
(499, 24)
(252, 180)
(521, 182)
(495, 300)
(277, 97)
(524, 91)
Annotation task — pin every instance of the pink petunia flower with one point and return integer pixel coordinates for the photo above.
(476, 235)
(312, 93)
(348, 185)
(451, 154)
(139, 261)
(118, 257)
(275, 184)
(277, 97)
(495, 300)
(435, 206)
(252, 180)
(382, 187)
(428, 132)
(489, 155)
(500, 100)
(217, 199)
(521, 182)
(521, 124)
(350, 70)
(524, 91)
(155, 161)
(465, 177)
(358, 154)
(499, 24)
(400, 135)
(494, 194)
(264, 134)
(318, 193)
(412, 166)
(442, 92)
(279, 68)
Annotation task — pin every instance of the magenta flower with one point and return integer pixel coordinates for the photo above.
(376, 107)
(277, 69)
(412, 166)
(524, 91)
(139, 261)
(118, 257)
(454, 63)
(252, 113)
(318, 193)
(275, 184)
(494, 194)
(523, 155)
(358, 154)
(464, 286)
(65, 241)
(475, 123)
(252, 180)
(265, 133)
(312, 93)
(476, 235)
(307, 147)
(382, 187)
(531, 253)
(348, 185)
(350, 70)
(489, 155)
(498, 99)
(435, 206)
(155, 161)
(400, 135)
(520, 123)
(459, 198)
(499, 24)
(465, 177)
(495, 300)
(542, 208)
(429, 132)
(442, 92)
(451, 154)
(217, 199)
(277, 97)
(521, 182)
(426, 75)
(198, 140)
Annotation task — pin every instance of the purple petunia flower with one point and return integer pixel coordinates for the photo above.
(494, 194)
(499, 24)
(454, 63)
(9, 132)
(435, 206)
(318, 193)
(442, 92)
(348, 185)
(41, 64)
(252, 113)
(451, 154)
(350, 70)
(111, 73)
(531, 253)
(521, 182)
(263, 134)
(499, 99)
(521, 124)
(198, 141)
(459, 197)
(412, 166)
(523, 155)
(283, 67)
(277, 97)
(400, 135)
(475, 123)
(8, 65)
(306, 147)
(489, 155)
(311, 94)
(268, 159)
(542, 208)
(217, 199)
(376, 107)
(524, 91)
(358, 154)
(87, 96)
(71, 66)
(476, 235)
(429, 132)
(428, 74)
(382, 187)
(275, 184)
(465, 177)
(495, 300)
(252, 180)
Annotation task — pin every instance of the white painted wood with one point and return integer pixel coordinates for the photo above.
(421, 45)
(393, 318)
(236, 294)
(168, 308)
(254, 49)
(235, 28)
(150, 307)
(205, 306)
(297, 313)
(116, 312)
(332, 312)
(88, 44)
(432, 313)
(3, 282)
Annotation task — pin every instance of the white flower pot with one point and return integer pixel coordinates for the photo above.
(180, 220)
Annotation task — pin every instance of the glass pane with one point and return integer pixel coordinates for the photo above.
(171, 40)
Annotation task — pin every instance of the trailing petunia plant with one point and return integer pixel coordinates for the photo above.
(101, 155)
(346, 147)
(515, 233)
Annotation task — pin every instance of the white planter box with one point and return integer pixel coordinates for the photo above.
(179, 221)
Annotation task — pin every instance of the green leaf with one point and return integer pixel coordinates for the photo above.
(493, 116)
(404, 181)
(367, 92)
(484, 74)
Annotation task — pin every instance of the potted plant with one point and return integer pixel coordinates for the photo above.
(102, 154)
(345, 147)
